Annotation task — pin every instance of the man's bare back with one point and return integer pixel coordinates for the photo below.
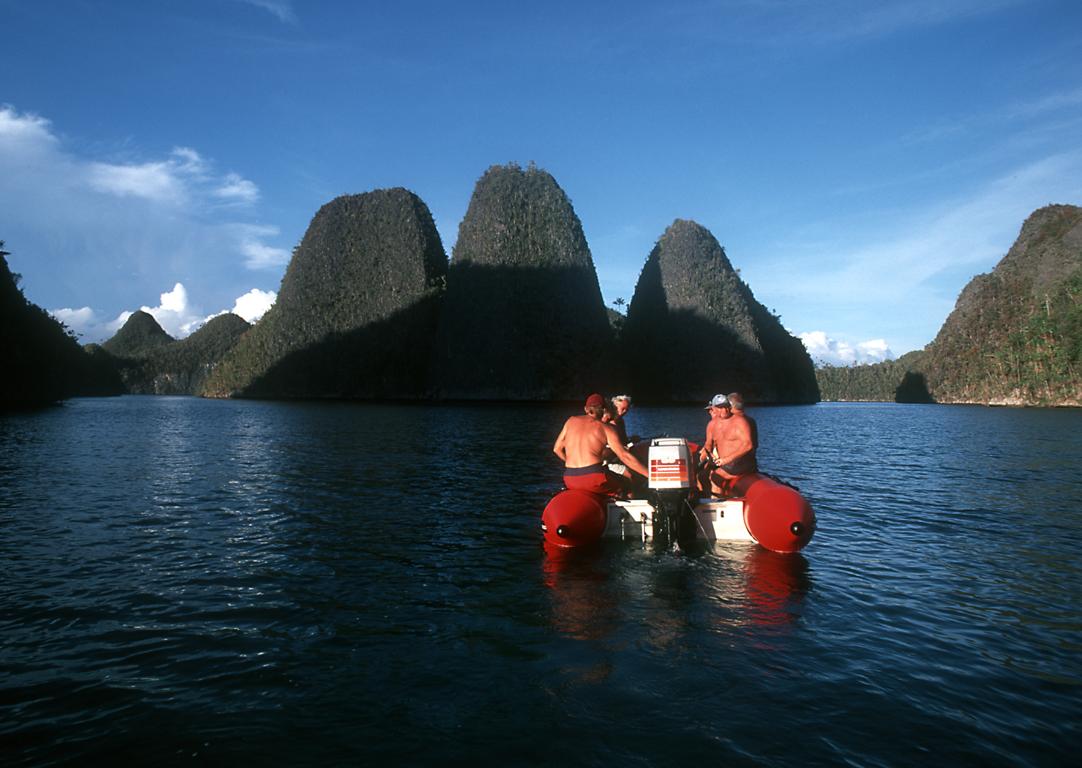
(583, 440)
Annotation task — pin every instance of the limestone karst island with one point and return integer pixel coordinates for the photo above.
(370, 307)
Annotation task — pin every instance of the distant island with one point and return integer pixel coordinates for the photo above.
(1014, 337)
(371, 308)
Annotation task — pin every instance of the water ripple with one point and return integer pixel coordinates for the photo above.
(331, 583)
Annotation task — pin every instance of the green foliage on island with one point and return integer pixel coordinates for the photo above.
(370, 308)
(138, 337)
(523, 318)
(43, 362)
(889, 381)
(1015, 335)
(694, 329)
(156, 367)
(356, 313)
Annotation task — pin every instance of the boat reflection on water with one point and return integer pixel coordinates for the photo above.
(746, 584)
(774, 584)
(583, 604)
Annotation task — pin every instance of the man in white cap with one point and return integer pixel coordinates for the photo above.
(621, 404)
(731, 441)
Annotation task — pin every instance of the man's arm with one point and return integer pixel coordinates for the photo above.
(559, 447)
(708, 443)
(626, 457)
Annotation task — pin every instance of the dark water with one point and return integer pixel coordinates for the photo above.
(188, 581)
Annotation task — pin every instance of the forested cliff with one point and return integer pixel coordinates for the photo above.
(151, 362)
(43, 362)
(1014, 337)
(694, 329)
(356, 312)
(524, 318)
(370, 308)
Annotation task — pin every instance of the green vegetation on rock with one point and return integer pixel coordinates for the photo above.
(1014, 337)
(43, 361)
(356, 313)
(695, 329)
(524, 318)
(890, 381)
(369, 308)
(173, 367)
(138, 337)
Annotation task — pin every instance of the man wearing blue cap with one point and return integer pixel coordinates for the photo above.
(731, 441)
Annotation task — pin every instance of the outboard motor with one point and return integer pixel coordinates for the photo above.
(671, 483)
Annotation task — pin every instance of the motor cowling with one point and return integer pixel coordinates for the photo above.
(671, 466)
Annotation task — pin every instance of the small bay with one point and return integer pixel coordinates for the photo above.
(189, 580)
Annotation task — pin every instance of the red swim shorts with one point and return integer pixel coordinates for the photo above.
(599, 481)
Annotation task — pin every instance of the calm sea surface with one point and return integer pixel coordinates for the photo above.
(206, 582)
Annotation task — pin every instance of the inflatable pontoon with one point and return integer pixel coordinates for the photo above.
(761, 509)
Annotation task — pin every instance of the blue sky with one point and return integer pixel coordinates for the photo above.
(859, 160)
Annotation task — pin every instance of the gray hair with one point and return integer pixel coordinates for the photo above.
(618, 398)
(737, 401)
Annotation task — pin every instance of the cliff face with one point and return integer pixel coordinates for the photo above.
(694, 329)
(357, 309)
(523, 318)
(1015, 335)
(42, 362)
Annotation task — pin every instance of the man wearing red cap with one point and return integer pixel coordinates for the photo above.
(582, 443)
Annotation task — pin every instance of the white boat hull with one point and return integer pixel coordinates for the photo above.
(719, 520)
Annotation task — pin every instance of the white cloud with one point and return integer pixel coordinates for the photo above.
(832, 21)
(259, 255)
(254, 304)
(899, 278)
(238, 189)
(74, 317)
(187, 160)
(87, 325)
(174, 314)
(152, 181)
(1038, 112)
(283, 9)
(1049, 102)
(174, 181)
(25, 132)
(864, 19)
(97, 231)
(826, 350)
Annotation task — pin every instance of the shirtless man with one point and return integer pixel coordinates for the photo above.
(580, 446)
(731, 441)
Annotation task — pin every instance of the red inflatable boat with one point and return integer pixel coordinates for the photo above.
(762, 509)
